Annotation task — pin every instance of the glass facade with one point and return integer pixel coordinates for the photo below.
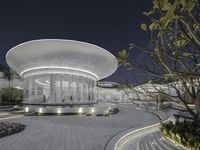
(59, 88)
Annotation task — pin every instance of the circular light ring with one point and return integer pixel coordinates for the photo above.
(58, 70)
(43, 84)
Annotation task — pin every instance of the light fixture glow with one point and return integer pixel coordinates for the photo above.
(59, 110)
(40, 110)
(41, 83)
(26, 109)
(80, 110)
(92, 110)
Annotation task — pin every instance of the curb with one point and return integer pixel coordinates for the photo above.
(119, 138)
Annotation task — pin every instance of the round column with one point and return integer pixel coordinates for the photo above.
(29, 88)
(81, 89)
(94, 91)
(78, 91)
(61, 91)
(35, 91)
(52, 88)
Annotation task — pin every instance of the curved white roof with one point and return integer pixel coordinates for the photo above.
(68, 55)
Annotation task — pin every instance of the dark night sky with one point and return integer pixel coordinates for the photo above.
(110, 24)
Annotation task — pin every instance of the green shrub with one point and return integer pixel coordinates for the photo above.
(7, 128)
(113, 111)
(11, 95)
(186, 133)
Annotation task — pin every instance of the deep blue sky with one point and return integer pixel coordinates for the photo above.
(110, 24)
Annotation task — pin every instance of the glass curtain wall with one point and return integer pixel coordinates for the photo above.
(59, 88)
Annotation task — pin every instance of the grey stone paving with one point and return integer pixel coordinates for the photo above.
(153, 141)
(72, 132)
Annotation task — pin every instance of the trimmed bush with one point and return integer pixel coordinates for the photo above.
(7, 128)
(113, 111)
(11, 95)
(185, 133)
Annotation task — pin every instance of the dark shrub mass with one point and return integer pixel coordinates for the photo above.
(11, 96)
(7, 128)
(185, 133)
(113, 111)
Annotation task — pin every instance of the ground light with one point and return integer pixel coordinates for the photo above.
(92, 110)
(80, 110)
(26, 109)
(40, 110)
(59, 111)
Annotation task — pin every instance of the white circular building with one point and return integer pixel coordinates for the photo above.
(60, 71)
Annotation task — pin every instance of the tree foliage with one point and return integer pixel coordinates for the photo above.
(10, 75)
(173, 31)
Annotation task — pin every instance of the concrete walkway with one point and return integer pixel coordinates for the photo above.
(72, 132)
(151, 141)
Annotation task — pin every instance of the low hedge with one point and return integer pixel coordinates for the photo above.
(7, 128)
(185, 133)
(113, 111)
(11, 96)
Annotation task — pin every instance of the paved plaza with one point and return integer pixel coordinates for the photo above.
(72, 132)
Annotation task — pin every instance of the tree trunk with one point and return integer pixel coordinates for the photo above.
(11, 92)
(9, 89)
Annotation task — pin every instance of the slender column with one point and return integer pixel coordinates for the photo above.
(88, 89)
(87, 92)
(75, 92)
(84, 90)
(90, 92)
(29, 88)
(61, 91)
(78, 91)
(67, 91)
(25, 88)
(81, 89)
(94, 91)
(35, 91)
(66, 88)
(70, 88)
(52, 87)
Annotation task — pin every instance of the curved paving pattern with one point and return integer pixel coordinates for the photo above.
(155, 141)
(72, 132)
